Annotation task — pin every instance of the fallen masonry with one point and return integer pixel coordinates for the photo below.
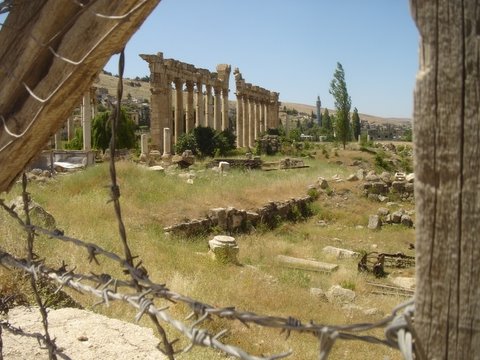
(303, 264)
(231, 220)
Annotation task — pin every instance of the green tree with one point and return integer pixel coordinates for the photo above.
(102, 131)
(343, 103)
(294, 135)
(186, 141)
(407, 135)
(355, 124)
(327, 127)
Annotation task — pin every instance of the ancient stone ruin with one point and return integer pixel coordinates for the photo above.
(377, 187)
(257, 111)
(167, 109)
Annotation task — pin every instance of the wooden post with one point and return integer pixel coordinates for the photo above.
(447, 178)
(27, 123)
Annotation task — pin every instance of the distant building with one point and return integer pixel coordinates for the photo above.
(319, 113)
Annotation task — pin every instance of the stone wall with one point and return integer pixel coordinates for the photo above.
(231, 220)
(377, 187)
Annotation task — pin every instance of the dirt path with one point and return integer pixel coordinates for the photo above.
(82, 334)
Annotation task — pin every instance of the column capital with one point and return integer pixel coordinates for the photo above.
(159, 90)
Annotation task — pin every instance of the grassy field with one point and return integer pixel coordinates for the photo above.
(152, 200)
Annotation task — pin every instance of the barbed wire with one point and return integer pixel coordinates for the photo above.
(326, 334)
(143, 302)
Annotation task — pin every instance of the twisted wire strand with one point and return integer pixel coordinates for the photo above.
(323, 332)
(199, 308)
(195, 335)
(111, 17)
(395, 324)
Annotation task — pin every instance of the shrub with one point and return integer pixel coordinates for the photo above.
(77, 142)
(348, 284)
(223, 142)
(186, 142)
(313, 193)
(381, 163)
(204, 140)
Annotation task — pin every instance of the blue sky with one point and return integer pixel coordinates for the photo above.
(292, 47)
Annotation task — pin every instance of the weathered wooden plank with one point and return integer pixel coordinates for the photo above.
(447, 178)
(78, 35)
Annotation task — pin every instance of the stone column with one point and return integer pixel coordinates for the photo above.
(179, 128)
(167, 143)
(144, 144)
(87, 121)
(70, 128)
(257, 119)
(246, 128)
(270, 114)
(261, 116)
(239, 121)
(58, 140)
(93, 99)
(225, 121)
(190, 121)
(160, 113)
(251, 123)
(275, 105)
(217, 109)
(200, 105)
(266, 114)
(208, 107)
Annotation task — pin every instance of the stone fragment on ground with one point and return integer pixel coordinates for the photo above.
(224, 249)
(339, 295)
(304, 264)
(38, 214)
(157, 168)
(404, 282)
(340, 253)
(374, 222)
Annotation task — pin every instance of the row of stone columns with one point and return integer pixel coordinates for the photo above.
(192, 106)
(257, 111)
(252, 115)
(198, 108)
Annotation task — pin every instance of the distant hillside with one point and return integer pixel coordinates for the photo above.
(141, 90)
(370, 118)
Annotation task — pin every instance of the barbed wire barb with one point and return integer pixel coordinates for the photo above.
(111, 17)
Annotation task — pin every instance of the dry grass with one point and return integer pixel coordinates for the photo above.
(151, 201)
